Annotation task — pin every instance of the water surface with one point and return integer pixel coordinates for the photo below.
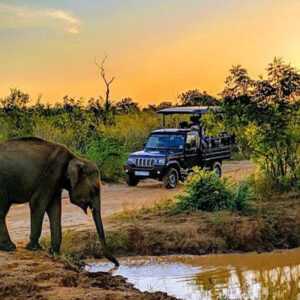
(236, 276)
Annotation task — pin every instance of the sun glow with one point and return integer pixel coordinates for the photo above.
(156, 49)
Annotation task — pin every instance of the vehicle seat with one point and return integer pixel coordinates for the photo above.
(183, 124)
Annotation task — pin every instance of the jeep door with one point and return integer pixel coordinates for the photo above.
(191, 151)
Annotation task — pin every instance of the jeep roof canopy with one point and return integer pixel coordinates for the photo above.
(192, 110)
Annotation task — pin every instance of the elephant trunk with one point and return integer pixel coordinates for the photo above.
(99, 226)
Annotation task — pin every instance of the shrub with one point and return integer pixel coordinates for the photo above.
(204, 191)
(241, 194)
(109, 156)
(267, 188)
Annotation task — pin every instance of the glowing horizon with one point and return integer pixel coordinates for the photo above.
(157, 49)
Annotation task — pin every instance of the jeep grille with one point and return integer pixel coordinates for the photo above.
(145, 162)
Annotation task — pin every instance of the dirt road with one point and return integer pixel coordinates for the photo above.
(114, 198)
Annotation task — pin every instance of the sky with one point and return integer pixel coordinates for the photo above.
(156, 48)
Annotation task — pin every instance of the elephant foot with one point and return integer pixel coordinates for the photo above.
(54, 251)
(9, 246)
(33, 246)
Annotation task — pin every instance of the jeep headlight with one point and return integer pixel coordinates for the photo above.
(130, 160)
(161, 161)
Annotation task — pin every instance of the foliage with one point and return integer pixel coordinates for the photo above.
(196, 98)
(132, 129)
(204, 191)
(264, 115)
(212, 123)
(81, 127)
(127, 105)
(154, 107)
(269, 189)
(110, 156)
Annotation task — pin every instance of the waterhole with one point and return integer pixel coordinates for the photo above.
(230, 276)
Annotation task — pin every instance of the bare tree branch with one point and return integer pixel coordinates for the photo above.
(107, 84)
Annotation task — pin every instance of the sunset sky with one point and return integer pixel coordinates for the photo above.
(156, 48)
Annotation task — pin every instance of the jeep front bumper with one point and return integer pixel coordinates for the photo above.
(155, 172)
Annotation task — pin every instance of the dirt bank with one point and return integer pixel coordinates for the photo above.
(268, 225)
(114, 198)
(28, 275)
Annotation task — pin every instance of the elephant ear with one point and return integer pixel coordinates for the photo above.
(74, 171)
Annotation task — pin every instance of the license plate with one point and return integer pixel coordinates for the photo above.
(141, 173)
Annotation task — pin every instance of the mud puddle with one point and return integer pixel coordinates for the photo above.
(230, 276)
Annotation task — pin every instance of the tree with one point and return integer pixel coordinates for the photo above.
(107, 82)
(15, 101)
(154, 108)
(127, 105)
(237, 83)
(95, 106)
(14, 108)
(164, 104)
(196, 98)
(265, 114)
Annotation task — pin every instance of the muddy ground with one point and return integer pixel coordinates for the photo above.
(36, 275)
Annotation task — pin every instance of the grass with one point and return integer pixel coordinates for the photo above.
(131, 210)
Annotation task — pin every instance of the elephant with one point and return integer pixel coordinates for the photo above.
(36, 171)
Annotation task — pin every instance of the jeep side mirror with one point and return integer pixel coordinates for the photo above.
(144, 144)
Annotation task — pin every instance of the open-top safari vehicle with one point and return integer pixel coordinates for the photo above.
(169, 154)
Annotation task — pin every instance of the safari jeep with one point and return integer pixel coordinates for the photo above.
(169, 154)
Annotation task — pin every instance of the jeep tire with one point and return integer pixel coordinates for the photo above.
(217, 168)
(131, 180)
(170, 179)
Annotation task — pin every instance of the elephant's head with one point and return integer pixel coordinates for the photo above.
(84, 190)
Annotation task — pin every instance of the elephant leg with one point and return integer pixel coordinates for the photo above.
(5, 242)
(37, 213)
(54, 214)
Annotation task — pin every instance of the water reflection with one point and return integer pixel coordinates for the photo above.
(237, 276)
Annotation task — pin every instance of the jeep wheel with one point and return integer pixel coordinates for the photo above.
(171, 178)
(217, 168)
(131, 180)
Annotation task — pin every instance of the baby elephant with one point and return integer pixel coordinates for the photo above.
(35, 171)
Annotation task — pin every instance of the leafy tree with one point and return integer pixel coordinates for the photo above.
(127, 105)
(13, 107)
(15, 101)
(164, 104)
(265, 114)
(196, 98)
(94, 106)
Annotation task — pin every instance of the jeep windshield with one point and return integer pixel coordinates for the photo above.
(165, 141)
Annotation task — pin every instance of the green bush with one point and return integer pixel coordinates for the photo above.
(204, 191)
(241, 194)
(267, 188)
(109, 156)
